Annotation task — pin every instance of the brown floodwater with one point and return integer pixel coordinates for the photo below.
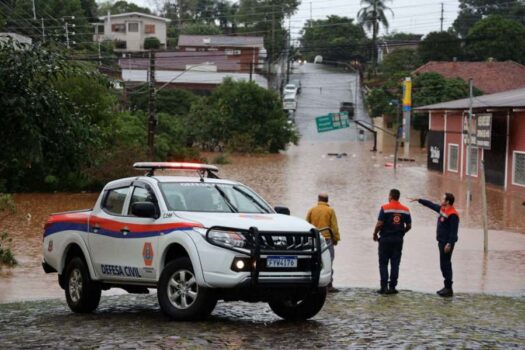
(357, 183)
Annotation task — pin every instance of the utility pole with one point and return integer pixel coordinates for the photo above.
(288, 58)
(311, 19)
(484, 208)
(441, 19)
(152, 121)
(407, 108)
(67, 34)
(34, 10)
(43, 30)
(469, 136)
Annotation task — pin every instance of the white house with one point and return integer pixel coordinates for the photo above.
(130, 29)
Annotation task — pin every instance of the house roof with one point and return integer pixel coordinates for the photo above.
(221, 40)
(180, 60)
(489, 77)
(507, 99)
(137, 14)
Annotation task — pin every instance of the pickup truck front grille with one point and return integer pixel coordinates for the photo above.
(259, 244)
(277, 241)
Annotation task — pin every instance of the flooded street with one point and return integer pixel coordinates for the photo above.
(358, 185)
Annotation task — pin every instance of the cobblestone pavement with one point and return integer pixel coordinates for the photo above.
(353, 318)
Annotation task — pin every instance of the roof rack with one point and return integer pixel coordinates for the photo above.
(203, 169)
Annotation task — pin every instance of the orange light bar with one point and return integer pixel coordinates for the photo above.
(174, 165)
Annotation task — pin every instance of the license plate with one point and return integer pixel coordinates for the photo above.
(287, 262)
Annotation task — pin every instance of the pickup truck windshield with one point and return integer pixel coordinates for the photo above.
(215, 198)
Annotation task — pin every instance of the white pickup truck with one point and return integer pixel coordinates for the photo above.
(196, 240)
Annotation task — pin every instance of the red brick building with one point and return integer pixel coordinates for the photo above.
(505, 158)
(248, 50)
(489, 77)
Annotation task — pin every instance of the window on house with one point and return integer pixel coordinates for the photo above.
(99, 29)
(472, 162)
(133, 27)
(149, 29)
(518, 168)
(118, 28)
(453, 151)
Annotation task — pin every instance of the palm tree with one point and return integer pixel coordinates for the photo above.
(370, 16)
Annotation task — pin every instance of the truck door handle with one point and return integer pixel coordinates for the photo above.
(95, 228)
(124, 231)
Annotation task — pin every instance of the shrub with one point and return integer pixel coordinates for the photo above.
(6, 255)
(151, 43)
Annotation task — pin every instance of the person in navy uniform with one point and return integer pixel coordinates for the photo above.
(393, 222)
(446, 235)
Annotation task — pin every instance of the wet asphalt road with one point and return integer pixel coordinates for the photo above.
(353, 318)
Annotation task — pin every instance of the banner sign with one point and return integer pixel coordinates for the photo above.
(484, 130)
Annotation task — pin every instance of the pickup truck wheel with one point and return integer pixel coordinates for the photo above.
(294, 309)
(82, 294)
(180, 297)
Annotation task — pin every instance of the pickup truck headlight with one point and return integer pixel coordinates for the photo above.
(230, 239)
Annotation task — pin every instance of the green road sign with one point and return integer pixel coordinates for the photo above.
(332, 121)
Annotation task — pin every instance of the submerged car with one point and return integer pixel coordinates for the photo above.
(195, 239)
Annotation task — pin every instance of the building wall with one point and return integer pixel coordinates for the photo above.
(134, 40)
(516, 143)
(386, 142)
(247, 56)
(204, 78)
(453, 123)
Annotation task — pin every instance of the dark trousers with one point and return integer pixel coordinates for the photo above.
(390, 249)
(445, 263)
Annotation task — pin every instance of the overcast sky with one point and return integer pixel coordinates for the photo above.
(414, 16)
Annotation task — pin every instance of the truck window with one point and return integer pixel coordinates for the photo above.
(114, 201)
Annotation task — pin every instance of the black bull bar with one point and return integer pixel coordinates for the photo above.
(260, 243)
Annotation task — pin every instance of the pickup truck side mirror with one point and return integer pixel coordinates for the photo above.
(144, 210)
(282, 210)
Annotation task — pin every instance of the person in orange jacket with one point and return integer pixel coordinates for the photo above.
(446, 235)
(321, 216)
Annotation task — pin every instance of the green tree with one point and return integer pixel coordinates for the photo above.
(335, 38)
(176, 102)
(430, 88)
(498, 38)
(472, 11)
(241, 116)
(56, 13)
(201, 29)
(400, 62)
(120, 7)
(440, 46)
(54, 110)
(151, 43)
(265, 18)
(371, 16)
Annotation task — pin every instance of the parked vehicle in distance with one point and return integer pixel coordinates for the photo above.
(196, 240)
(290, 89)
(290, 102)
(347, 107)
(297, 84)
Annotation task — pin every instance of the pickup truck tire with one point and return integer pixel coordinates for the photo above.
(180, 297)
(82, 294)
(292, 309)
